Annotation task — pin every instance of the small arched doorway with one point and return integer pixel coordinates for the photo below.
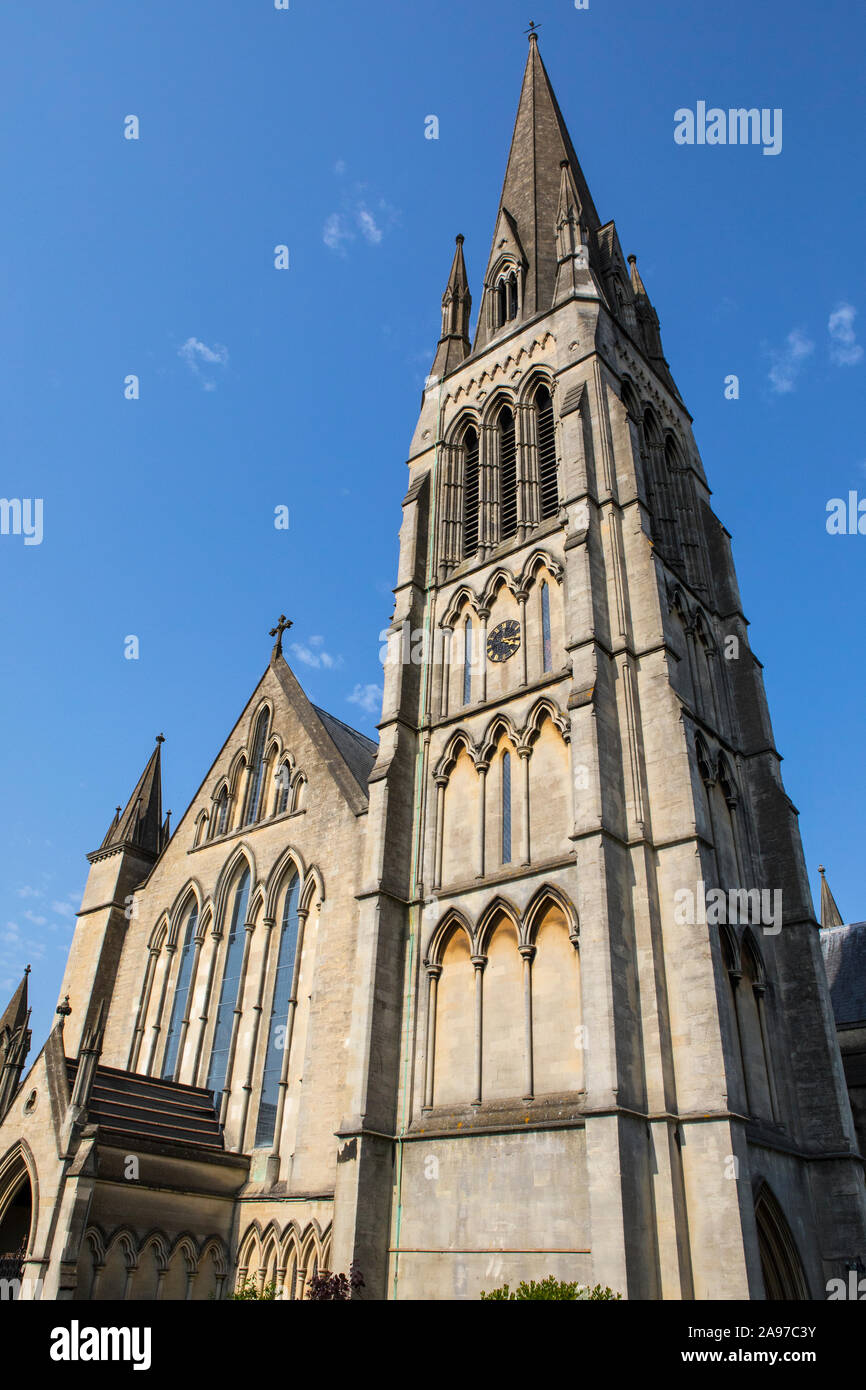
(16, 1218)
(780, 1263)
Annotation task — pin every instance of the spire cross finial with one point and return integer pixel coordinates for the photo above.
(821, 869)
(282, 626)
(160, 738)
(532, 31)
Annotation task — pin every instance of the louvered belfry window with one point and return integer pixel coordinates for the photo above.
(548, 488)
(507, 475)
(470, 493)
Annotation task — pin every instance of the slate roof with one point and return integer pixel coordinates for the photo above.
(141, 822)
(844, 951)
(357, 751)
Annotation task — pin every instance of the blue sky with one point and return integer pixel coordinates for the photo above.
(261, 388)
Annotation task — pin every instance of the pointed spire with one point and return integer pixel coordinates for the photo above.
(531, 194)
(15, 1014)
(830, 914)
(454, 344)
(140, 823)
(572, 238)
(636, 282)
(14, 1043)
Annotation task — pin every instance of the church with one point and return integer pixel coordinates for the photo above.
(433, 1006)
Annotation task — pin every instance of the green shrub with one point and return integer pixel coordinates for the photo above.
(550, 1288)
(250, 1289)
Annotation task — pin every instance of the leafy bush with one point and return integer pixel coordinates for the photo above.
(550, 1288)
(335, 1288)
(250, 1289)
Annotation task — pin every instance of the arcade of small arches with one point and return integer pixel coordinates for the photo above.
(500, 473)
(533, 598)
(129, 1268)
(240, 953)
(503, 1004)
(264, 781)
(289, 1260)
(493, 796)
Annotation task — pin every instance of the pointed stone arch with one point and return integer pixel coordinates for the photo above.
(313, 890)
(498, 907)
(462, 596)
(539, 559)
(781, 1265)
(549, 895)
(545, 708)
(501, 725)
(19, 1198)
(160, 934)
(241, 854)
(191, 890)
(501, 578)
(454, 920)
(291, 860)
(457, 743)
(539, 374)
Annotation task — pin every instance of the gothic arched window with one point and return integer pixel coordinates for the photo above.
(266, 1125)
(507, 475)
(506, 808)
(230, 987)
(219, 821)
(467, 662)
(284, 782)
(547, 653)
(547, 481)
(181, 993)
(257, 775)
(470, 493)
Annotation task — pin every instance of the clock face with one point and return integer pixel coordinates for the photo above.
(504, 640)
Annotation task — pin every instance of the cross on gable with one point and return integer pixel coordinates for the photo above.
(282, 626)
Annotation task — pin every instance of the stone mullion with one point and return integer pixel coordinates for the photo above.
(482, 816)
(156, 1026)
(303, 914)
(185, 1021)
(445, 672)
(249, 928)
(528, 507)
(479, 963)
(760, 992)
(247, 1086)
(488, 490)
(144, 1005)
(217, 937)
(433, 973)
(441, 784)
(524, 755)
(527, 953)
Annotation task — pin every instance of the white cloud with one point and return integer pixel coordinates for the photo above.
(35, 919)
(845, 351)
(340, 167)
(788, 361)
(63, 909)
(369, 228)
(335, 233)
(369, 697)
(28, 892)
(200, 359)
(313, 653)
(358, 217)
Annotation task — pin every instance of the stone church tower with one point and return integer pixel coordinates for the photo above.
(533, 986)
(584, 1077)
